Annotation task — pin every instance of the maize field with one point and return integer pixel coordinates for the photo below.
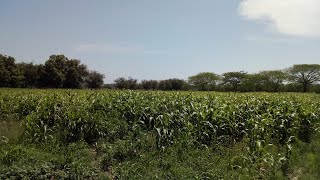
(260, 131)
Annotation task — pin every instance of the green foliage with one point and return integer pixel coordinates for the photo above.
(94, 80)
(31, 74)
(274, 79)
(122, 83)
(305, 74)
(149, 84)
(172, 84)
(30, 162)
(253, 82)
(57, 72)
(204, 81)
(60, 72)
(134, 134)
(10, 74)
(233, 80)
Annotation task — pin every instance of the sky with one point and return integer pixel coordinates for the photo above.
(152, 39)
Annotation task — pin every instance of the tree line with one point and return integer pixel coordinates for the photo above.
(60, 72)
(298, 78)
(57, 72)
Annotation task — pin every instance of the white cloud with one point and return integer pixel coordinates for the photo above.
(290, 17)
(108, 48)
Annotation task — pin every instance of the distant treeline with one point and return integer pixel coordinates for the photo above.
(60, 72)
(57, 72)
(298, 78)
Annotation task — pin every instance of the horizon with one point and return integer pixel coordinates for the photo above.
(162, 40)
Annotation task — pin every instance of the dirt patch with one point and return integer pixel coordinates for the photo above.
(10, 129)
(296, 174)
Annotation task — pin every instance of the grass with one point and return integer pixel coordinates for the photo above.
(305, 163)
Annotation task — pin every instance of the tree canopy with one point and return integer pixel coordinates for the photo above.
(57, 72)
(204, 81)
(123, 83)
(274, 79)
(94, 80)
(305, 74)
(233, 80)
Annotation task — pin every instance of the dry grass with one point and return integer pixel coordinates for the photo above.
(10, 129)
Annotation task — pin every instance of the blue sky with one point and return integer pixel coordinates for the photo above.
(149, 39)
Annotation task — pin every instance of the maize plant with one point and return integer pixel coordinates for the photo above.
(263, 120)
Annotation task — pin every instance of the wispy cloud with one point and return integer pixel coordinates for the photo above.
(258, 38)
(290, 17)
(114, 48)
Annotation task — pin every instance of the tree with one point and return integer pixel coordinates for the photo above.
(61, 72)
(75, 74)
(6, 66)
(204, 81)
(274, 79)
(253, 82)
(94, 80)
(122, 83)
(304, 74)
(177, 84)
(172, 84)
(30, 73)
(164, 85)
(149, 84)
(54, 75)
(10, 74)
(57, 72)
(233, 80)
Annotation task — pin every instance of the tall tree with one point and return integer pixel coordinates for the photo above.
(10, 74)
(57, 72)
(274, 79)
(31, 74)
(54, 75)
(305, 74)
(94, 80)
(177, 84)
(253, 82)
(61, 72)
(6, 65)
(204, 81)
(233, 80)
(75, 74)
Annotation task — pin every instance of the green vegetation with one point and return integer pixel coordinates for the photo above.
(204, 81)
(81, 134)
(57, 72)
(60, 72)
(298, 78)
